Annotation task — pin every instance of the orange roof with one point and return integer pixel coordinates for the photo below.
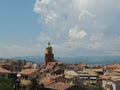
(45, 80)
(49, 67)
(104, 77)
(59, 86)
(48, 79)
(28, 71)
(54, 63)
(113, 66)
(2, 70)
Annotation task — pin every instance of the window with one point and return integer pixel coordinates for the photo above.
(3, 75)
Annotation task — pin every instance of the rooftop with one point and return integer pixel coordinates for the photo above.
(113, 66)
(25, 82)
(59, 86)
(2, 70)
(28, 71)
(45, 80)
(48, 79)
(88, 72)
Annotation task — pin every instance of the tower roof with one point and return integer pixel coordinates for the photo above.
(49, 46)
(48, 43)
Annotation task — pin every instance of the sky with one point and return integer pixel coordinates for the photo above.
(74, 27)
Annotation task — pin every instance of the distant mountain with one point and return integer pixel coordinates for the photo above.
(91, 59)
(35, 58)
(79, 59)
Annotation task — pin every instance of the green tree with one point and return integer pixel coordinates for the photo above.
(22, 87)
(5, 84)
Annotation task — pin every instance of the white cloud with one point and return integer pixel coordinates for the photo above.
(73, 25)
(82, 4)
(51, 16)
(75, 34)
(44, 38)
(45, 1)
(85, 14)
(97, 37)
(37, 8)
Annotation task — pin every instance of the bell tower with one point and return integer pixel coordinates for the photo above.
(49, 56)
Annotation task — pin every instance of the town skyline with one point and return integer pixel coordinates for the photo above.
(80, 28)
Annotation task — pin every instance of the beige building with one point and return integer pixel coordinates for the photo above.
(70, 74)
(111, 79)
(29, 73)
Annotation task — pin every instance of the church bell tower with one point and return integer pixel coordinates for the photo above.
(49, 56)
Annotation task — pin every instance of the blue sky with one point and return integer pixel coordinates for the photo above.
(18, 22)
(80, 28)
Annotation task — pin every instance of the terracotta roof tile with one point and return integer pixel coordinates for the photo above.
(45, 80)
(2, 70)
(59, 86)
(113, 66)
(28, 71)
(104, 77)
